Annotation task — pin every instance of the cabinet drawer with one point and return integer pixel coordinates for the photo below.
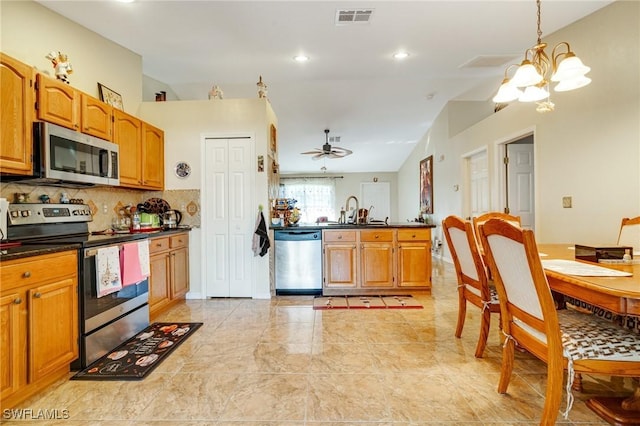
(178, 241)
(37, 269)
(385, 235)
(156, 245)
(414, 234)
(339, 236)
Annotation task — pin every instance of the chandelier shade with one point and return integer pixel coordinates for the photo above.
(530, 82)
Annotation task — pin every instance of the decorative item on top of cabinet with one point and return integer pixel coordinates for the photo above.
(36, 349)
(262, 88)
(110, 97)
(16, 87)
(61, 65)
(216, 92)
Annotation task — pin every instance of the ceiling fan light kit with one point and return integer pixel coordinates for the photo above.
(328, 151)
(531, 81)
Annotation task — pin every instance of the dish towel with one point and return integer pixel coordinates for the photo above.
(261, 242)
(134, 262)
(108, 271)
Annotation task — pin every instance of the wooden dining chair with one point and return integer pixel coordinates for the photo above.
(629, 234)
(478, 221)
(565, 339)
(473, 284)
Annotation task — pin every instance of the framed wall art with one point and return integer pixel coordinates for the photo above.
(426, 185)
(110, 97)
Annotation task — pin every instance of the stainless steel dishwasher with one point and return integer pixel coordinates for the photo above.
(298, 261)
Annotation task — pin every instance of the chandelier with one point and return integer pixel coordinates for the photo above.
(531, 80)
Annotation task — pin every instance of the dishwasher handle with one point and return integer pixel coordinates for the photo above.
(298, 236)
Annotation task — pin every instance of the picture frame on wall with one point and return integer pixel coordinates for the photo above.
(110, 97)
(426, 185)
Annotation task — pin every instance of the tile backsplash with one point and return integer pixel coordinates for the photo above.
(106, 201)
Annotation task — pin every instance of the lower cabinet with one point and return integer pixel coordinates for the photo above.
(376, 261)
(39, 317)
(169, 279)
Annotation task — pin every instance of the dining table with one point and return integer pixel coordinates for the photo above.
(617, 292)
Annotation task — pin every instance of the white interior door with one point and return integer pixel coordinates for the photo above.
(378, 195)
(520, 181)
(478, 172)
(229, 222)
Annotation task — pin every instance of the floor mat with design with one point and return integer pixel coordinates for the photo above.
(141, 354)
(365, 302)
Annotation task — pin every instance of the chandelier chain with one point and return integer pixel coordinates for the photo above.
(539, 30)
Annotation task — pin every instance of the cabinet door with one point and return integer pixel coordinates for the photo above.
(58, 102)
(53, 326)
(96, 118)
(127, 133)
(16, 87)
(340, 265)
(159, 281)
(180, 273)
(12, 341)
(414, 264)
(377, 264)
(152, 157)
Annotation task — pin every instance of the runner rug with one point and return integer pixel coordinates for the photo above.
(141, 354)
(365, 302)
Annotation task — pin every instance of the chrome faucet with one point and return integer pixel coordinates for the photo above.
(354, 218)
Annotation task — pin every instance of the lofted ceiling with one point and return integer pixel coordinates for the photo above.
(378, 106)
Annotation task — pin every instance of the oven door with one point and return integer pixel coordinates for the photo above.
(97, 311)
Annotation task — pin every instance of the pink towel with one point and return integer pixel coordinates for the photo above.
(131, 265)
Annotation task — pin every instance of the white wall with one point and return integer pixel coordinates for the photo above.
(185, 124)
(29, 31)
(588, 148)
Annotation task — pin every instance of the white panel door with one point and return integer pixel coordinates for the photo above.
(520, 183)
(479, 183)
(378, 195)
(229, 226)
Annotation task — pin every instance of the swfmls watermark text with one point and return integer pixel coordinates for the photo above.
(35, 414)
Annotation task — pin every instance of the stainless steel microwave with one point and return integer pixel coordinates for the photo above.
(64, 157)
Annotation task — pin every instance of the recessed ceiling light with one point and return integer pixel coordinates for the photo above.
(301, 58)
(400, 55)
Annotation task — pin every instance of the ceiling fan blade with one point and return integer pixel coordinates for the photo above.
(334, 155)
(318, 156)
(317, 151)
(341, 151)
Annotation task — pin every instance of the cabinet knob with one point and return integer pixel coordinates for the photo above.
(377, 236)
(17, 301)
(339, 237)
(26, 274)
(413, 236)
(37, 295)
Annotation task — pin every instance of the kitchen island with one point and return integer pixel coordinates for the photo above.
(372, 259)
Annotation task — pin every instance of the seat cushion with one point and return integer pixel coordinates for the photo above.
(586, 336)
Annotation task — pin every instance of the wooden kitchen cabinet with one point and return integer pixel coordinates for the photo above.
(169, 279)
(340, 253)
(152, 157)
(16, 100)
(96, 118)
(376, 258)
(39, 315)
(57, 102)
(141, 152)
(376, 261)
(414, 258)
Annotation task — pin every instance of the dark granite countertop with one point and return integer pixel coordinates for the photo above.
(29, 250)
(330, 225)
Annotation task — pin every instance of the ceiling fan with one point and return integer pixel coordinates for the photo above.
(328, 151)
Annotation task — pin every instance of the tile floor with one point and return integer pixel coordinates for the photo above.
(279, 362)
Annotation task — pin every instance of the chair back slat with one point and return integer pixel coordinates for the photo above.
(629, 234)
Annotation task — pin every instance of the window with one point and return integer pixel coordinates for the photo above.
(315, 197)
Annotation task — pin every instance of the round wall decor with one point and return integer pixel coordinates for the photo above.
(182, 169)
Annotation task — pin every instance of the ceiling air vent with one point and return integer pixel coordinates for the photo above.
(353, 16)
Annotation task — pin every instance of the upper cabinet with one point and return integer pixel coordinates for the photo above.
(58, 102)
(141, 152)
(96, 118)
(17, 97)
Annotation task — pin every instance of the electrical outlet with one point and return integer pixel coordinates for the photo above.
(566, 202)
